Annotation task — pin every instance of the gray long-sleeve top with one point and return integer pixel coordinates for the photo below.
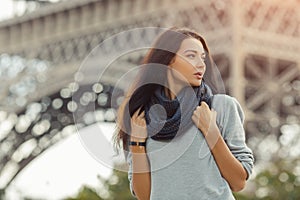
(184, 168)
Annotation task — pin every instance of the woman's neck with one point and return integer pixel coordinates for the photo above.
(169, 93)
(173, 88)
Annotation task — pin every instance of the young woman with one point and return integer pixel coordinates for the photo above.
(181, 139)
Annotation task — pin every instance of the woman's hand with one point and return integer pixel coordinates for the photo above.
(205, 119)
(230, 168)
(138, 127)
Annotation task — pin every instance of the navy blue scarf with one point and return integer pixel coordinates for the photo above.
(166, 118)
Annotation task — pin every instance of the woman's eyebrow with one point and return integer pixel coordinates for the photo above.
(194, 51)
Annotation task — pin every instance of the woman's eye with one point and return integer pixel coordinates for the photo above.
(190, 56)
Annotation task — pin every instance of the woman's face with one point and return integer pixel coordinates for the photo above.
(189, 62)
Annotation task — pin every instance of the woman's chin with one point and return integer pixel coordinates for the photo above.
(196, 83)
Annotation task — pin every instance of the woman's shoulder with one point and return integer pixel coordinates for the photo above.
(223, 103)
(221, 99)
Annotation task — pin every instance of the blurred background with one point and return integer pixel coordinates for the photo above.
(255, 44)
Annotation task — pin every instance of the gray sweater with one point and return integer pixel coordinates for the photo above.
(185, 169)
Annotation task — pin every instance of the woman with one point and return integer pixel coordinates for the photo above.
(175, 145)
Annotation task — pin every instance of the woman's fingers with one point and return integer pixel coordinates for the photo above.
(203, 103)
(195, 120)
(136, 113)
(138, 125)
(202, 117)
(139, 119)
(142, 115)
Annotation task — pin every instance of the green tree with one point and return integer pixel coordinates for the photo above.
(279, 181)
(116, 187)
(86, 193)
(2, 194)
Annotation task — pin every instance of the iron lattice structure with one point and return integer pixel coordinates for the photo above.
(257, 54)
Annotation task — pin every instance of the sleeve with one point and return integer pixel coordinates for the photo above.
(234, 134)
(128, 157)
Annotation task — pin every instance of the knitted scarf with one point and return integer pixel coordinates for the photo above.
(166, 118)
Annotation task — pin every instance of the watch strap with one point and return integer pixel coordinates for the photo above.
(134, 143)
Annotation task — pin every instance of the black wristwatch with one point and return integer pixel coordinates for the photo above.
(134, 143)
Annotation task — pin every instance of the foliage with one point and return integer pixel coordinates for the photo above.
(86, 193)
(279, 181)
(2, 194)
(116, 187)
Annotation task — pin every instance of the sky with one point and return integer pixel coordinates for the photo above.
(64, 168)
(6, 9)
(10, 8)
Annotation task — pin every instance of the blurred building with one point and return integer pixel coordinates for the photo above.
(255, 44)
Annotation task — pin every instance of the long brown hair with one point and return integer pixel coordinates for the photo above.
(162, 52)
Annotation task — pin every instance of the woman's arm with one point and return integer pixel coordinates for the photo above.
(230, 167)
(141, 177)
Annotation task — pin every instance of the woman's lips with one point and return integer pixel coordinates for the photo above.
(198, 75)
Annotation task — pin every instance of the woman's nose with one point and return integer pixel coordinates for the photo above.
(200, 63)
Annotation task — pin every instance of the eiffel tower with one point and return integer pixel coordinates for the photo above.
(255, 44)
